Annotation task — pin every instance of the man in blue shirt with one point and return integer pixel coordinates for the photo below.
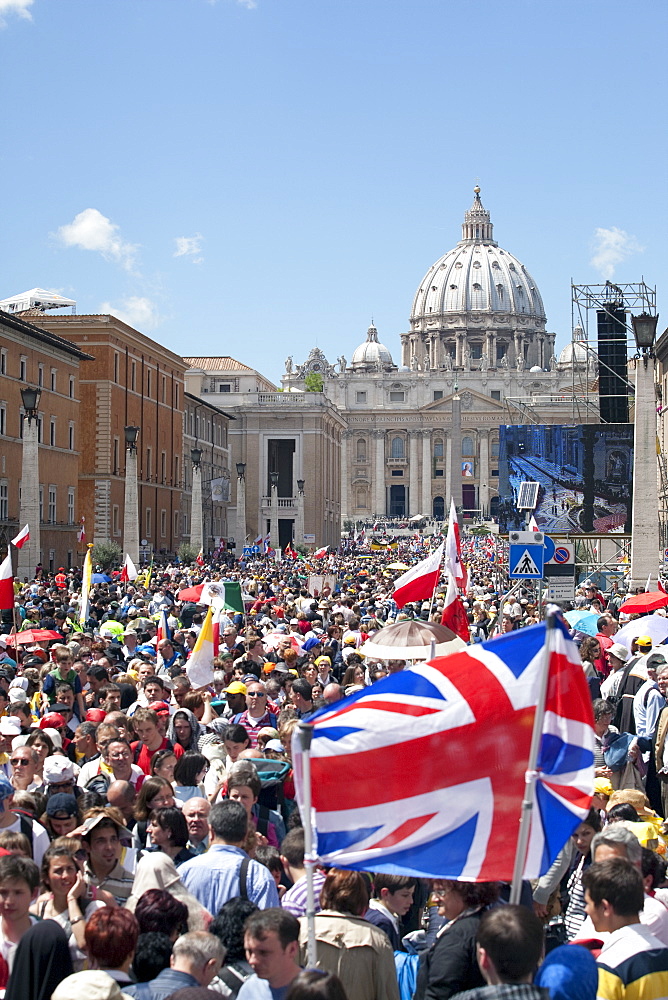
(226, 871)
(271, 940)
(196, 960)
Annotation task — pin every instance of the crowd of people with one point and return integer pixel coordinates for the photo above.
(150, 841)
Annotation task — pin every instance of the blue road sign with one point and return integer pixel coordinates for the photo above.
(526, 561)
(549, 548)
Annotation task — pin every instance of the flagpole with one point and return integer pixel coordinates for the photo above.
(531, 774)
(305, 732)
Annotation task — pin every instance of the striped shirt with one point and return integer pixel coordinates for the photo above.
(118, 882)
(632, 965)
(294, 899)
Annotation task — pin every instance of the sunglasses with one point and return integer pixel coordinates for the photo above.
(19, 761)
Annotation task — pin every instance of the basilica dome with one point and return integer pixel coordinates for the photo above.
(371, 353)
(476, 276)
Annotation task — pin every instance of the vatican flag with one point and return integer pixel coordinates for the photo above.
(200, 665)
(85, 584)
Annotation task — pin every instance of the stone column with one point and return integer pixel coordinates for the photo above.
(299, 523)
(30, 554)
(379, 474)
(345, 473)
(426, 473)
(196, 518)
(413, 474)
(483, 472)
(131, 507)
(240, 530)
(456, 452)
(448, 470)
(273, 523)
(645, 517)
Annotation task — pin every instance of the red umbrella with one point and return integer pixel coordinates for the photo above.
(191, 593)
(642, 603)
(33, 635)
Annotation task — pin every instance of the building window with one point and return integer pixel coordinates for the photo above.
(184, 524)
(149, 522)
(70, 505)
(148, 470)
(70, 438)
(52, 432)
(224, 387)
(496, 394)
(71, 386)
(495, 449)
(40, 376)
(361, 497)
(360, 397)
(501, 351)
(397, 396)
(3, 361)
(476, 352)
(176, 471)
(176, 523)
(397, 447)
(52, 504)
(438, 394)
(438, 473)
(53, 379)
(438, 448)
(163, 523)
(4, 500)
(133, 375)
(115, 367)
(40, 427)
(23, 367)
(361, 450)
(398, 473)
(3, 419)
(467, 447)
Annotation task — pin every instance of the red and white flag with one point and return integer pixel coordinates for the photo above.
(454, 613)
(533, 524)
(419, 582)
(81, 533)
(321, 553)
(22, 537)
(200, 558)
(453, 550)
(7, 583)
(661, 587)
(129, 571)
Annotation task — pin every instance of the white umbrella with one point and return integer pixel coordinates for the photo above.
(655, 626)
(412, 640)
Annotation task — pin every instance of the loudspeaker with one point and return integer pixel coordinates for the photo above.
(612, 371)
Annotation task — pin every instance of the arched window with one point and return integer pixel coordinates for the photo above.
(438, 508)
(397, 450)
(468, 448)
(438, 448)
(361, 497)
(361, 450)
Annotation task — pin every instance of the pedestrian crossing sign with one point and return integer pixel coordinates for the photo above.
(526, 561)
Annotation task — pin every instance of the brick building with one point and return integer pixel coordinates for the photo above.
(206, 428)
(30, 356)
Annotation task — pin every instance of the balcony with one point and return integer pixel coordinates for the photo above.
(283, 502)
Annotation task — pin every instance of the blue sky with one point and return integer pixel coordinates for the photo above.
(255, 178)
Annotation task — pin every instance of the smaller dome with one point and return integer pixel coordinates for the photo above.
(574, 353)
(371, 352)
(536, 368)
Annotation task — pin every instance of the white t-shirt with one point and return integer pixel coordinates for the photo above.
(40, 838)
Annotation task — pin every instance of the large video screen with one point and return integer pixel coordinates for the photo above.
(584, 471)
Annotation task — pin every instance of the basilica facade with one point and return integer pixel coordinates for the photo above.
(477, 355)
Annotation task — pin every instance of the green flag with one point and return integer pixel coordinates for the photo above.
(232, 600)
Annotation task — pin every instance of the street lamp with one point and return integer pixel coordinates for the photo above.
(273, 523)
(299, 526)
(131, 506)
(30, 553)
(240, 536)
(300, 485)
(644, 520)
(241, 470)
(196, 513)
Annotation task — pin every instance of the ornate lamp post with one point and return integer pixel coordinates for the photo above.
(29, 554)
(644, 521)
(131, 505)
(273, 523)
(196, 518)
(240, 532)
(299, 527)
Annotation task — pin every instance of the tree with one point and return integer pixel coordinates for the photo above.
(187, 553)
(313, 382)
(106, 554)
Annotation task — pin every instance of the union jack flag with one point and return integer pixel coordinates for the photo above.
(424, 771)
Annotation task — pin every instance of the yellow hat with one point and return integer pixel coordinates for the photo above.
(603, 786)
(644, 640)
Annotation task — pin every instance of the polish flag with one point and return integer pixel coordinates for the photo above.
(453, 550)
(129, 571)
(321, 553)
(7, 583)
(22, 537)
(454, 613)
(419, 582)
(533, 525)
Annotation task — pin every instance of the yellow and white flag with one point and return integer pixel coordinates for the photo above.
(85, 584)
(200, 665)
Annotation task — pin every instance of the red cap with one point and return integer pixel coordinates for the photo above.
(161, 707)
(96, 715)
(52, 720)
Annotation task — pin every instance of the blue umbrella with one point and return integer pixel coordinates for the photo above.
(100, 578)
(583, 621)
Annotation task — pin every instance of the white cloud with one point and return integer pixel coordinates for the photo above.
(90, 230)
(610, 247)
(248, 4)
(137, 311)
(189, 246)
(19, 7)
